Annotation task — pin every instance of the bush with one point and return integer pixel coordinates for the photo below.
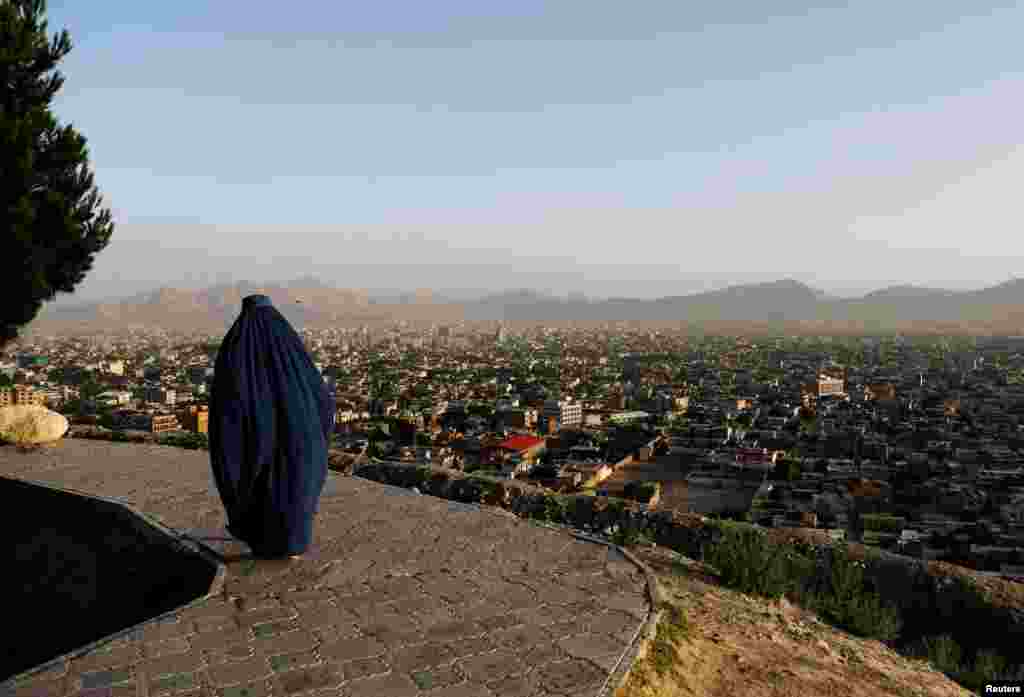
(943, 652)
(185, 439)
(750, 563)
(846, 602)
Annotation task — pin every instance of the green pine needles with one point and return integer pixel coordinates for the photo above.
(50, 217)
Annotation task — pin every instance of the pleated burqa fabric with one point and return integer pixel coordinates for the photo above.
(271, 416)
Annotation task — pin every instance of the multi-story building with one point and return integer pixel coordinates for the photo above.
(829, 384)
(162, 423)
(561, 414)
(873, 391)
(195, 418)
(160, 396)
(154, 423)
(21, 394)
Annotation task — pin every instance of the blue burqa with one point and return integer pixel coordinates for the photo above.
(271, 416)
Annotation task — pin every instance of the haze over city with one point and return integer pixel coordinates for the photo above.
(591, 147)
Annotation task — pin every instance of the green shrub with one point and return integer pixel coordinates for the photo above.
(750, 563)
(556, 509)
(845, 601)
(946, 655)
(627, 534)
(185, 439)
(488, 486)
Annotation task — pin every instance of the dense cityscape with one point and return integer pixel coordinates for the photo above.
(908, 444)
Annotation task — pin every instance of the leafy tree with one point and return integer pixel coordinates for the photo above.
(50, 218)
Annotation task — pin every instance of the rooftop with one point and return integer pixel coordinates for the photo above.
(521, 442)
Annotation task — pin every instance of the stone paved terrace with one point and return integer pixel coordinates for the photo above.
(401, 595)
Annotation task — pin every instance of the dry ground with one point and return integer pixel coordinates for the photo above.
(714, 642)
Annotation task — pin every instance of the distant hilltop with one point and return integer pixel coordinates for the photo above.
(785, 304)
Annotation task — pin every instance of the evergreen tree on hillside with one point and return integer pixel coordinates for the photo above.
(51, 223)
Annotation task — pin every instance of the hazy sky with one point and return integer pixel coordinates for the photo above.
(610, 147)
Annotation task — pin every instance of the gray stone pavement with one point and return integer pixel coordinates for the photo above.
(401, 595)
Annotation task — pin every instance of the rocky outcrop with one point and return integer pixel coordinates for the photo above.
(31, 424)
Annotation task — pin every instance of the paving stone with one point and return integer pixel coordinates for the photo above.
(326, 635)
(235, 672)
(512, 596)
(166, 630)
(590, 645)
(214, 623)
(415, 604)
(495, 665)
(305, 679)
(473, 646)
(498, 622)
(290, 661)
(108, 659)
(521, 635)
(421, 657)
(437, 677)
(219, 639)
(389, 685)
(453, 631)
(286, 642)
(615, 623)
(173, 663)
(299, 598)
(212, 607)
(527, 685)
(364, 668)
(264, 615)
(54, 672)
(105, 678)
(121, 690)
(254, 688)
(39, 688)
(397, 587)
(572, 627)
(161, 648)
(235, 652)
(476, 609)
(568, 676)
(173, 683)
(452, 591)
(544, 615)
(632, 603)
(394, 630)
(352, 649)
(542, 654)
(268, 630)
(464, 689)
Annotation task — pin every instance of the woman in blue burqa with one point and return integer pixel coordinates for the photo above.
(270, 421)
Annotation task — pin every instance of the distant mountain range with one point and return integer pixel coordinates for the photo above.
(308, 302)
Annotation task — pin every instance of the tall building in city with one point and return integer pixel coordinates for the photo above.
(560, 414)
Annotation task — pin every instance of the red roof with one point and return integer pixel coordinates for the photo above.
(520, 442)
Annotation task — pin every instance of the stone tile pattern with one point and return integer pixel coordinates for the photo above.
(400, 596)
